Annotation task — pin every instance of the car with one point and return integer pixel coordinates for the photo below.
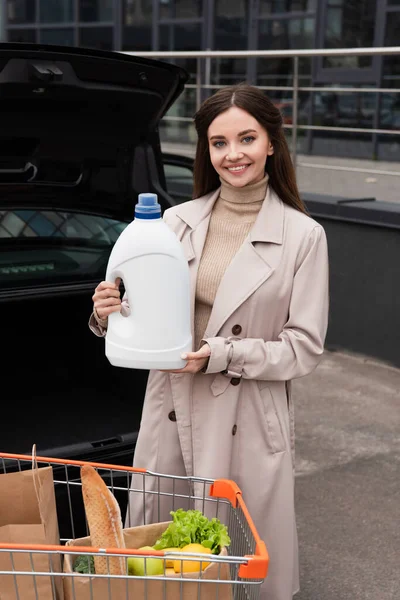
(79, 142)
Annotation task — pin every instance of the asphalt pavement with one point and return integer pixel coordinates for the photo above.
(348, 479)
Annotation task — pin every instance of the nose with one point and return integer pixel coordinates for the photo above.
(234, 154)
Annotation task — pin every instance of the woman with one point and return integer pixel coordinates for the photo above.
(259, 276)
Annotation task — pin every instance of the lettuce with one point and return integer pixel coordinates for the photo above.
(192, 527)
(84, 563)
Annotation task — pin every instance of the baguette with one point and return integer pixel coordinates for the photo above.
(104, 521)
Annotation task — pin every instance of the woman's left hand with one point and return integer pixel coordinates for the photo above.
(196, 360)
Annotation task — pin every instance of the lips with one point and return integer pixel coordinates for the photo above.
(238, 168)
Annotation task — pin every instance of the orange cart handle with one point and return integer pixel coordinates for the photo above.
(75, 463)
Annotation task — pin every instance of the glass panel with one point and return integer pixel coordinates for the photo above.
(185, 36)
(57, 11)
(228, 71)
(95, 10)
(96, 37)
(21, 11)
(268, 7)
(231, 23)
(137, 30)
(389, 145)
(22, 35)
(185, 105)
(180, 131)
(343, 109)
(391, 64)
(137, 12)
(278, 35)
(61, 37)
(180, 9)
(349, 25)
(188, 9)
(231, 28)
(341, 145)
(390, 112)
(394, 2)
(47, 247)
(179, 181)
(165, 9)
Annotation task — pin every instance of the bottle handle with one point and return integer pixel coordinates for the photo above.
(113, 276)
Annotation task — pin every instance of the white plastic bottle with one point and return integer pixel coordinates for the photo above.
(149, 259)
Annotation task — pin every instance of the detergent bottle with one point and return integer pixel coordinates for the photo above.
(149, 259)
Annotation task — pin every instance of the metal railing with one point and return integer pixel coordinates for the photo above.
(203, 82)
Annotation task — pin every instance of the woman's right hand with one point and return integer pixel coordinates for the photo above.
(106, 298)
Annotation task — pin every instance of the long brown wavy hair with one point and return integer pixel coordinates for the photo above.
(282, 177)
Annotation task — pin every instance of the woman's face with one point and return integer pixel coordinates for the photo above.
(239, 147)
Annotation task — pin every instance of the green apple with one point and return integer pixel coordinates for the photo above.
(154, 566)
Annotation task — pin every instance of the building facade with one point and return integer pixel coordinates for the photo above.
(137, 25)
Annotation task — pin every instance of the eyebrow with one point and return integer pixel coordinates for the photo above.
(222, 137)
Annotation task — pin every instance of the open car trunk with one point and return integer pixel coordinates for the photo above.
(79, 141)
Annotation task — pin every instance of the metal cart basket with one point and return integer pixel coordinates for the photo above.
(235, 574)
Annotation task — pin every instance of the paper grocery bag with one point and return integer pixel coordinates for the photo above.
(84, 587)
(28, 515)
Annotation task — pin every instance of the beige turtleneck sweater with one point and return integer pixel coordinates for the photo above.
(231, 219)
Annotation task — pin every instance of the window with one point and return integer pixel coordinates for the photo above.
(184, 36)
(56, 11)
(21, 11)
(96, 10)
(280, 34)
(60, 37)
(137, 12)
(179, 179)
(188, 9)
(96, 37)
(231, 31)
(181, 36)
(286, 34)
(391, 64)
(349, 24)
(22, 35)
(44, 247)
(268, 7)
(180, 9)
(231, 24)
(137, 25)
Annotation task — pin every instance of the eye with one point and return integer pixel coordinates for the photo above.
(218, 144)
(248, 139)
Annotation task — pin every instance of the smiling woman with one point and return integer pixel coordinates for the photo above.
(259, 284)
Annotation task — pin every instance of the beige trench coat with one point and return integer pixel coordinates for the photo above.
(236, 421)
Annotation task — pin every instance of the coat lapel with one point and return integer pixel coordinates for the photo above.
(253, 264)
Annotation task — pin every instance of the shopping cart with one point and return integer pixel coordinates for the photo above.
(236, 574)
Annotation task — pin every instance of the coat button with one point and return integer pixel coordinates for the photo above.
(235, 380)
(236, 329)
(172, 415)
(234, 429)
